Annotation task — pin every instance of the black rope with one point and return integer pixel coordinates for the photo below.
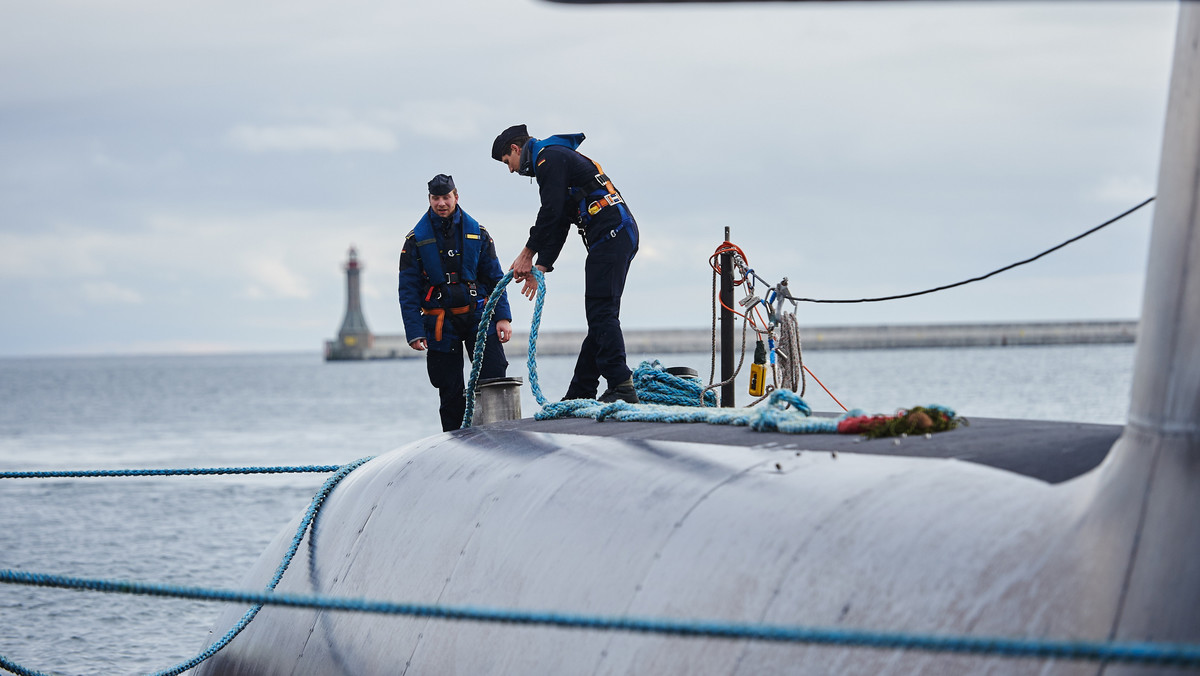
(976, 279)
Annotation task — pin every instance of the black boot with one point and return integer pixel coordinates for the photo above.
(573, 393)
(623, 392)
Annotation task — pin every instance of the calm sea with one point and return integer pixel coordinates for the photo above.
(294, 409)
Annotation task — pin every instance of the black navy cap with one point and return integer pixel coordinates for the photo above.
(505, 139)
(442, 184)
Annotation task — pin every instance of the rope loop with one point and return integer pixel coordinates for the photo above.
(484, 332)
(781, 399)
(615, 407)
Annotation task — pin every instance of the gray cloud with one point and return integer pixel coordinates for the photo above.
(189, 176)
(338, 137)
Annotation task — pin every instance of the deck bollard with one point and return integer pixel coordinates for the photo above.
(685, 372)
(497, 399)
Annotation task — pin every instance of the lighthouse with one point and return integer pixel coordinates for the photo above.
(354, 338)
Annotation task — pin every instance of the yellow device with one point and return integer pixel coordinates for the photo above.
(758, 371)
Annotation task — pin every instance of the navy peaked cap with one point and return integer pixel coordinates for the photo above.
(442, 184)
(507, 138)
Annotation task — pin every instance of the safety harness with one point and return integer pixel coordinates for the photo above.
(593, 197)
(454, 292)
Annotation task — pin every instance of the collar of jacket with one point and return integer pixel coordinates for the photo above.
(534, 147)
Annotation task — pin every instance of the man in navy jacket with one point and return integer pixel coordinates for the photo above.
(575, 190)
(448, 268)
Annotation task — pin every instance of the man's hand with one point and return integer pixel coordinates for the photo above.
(418, 345)
(504, 330)
(530, 287)
(522, 265)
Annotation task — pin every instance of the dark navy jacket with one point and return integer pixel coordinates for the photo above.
(417, 290)
(558, 169)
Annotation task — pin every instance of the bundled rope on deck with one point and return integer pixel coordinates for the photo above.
(784, 411)
(670, 399)
(655, 385)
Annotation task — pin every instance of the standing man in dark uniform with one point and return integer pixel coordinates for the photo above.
(448, 268)
(575, 190)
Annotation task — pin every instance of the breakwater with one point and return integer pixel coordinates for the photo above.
(681, 341)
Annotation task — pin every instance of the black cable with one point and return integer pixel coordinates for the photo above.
(976, 279)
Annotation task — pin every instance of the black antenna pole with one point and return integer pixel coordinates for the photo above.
(727, 325)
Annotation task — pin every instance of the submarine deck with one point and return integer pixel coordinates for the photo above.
(1050, 451)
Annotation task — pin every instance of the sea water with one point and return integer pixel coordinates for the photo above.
(294, 409)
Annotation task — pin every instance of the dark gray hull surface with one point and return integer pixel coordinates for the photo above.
(1050, 451)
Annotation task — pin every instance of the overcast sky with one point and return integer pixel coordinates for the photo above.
(187, 176)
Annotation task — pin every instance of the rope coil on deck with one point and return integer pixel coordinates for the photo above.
(784, 411)
(654, 385)
(667, 398)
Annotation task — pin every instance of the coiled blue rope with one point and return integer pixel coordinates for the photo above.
(1166, 654)
(784, 411)
(655, 386)
(191, 471)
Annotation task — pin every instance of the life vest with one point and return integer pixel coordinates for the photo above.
(596, 195)
(454, 292)
(431, 255)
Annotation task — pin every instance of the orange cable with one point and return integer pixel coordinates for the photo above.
(835, 399)
(726, 247)
(743, 316)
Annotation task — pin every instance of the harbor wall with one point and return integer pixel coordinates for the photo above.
(691, 341)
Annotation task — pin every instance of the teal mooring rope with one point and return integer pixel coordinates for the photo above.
(483, 334)
(190, 471)
(36, 579)
(1165, 654)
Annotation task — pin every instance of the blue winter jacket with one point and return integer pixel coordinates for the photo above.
(416, 290)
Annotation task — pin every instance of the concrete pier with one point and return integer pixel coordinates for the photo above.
(691, 341)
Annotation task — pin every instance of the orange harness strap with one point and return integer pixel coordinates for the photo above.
(613, 197)
(440, 313)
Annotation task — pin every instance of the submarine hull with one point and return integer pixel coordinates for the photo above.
(775, 530)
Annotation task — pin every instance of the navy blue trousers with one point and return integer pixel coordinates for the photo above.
(603, 351)
(446, 374)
